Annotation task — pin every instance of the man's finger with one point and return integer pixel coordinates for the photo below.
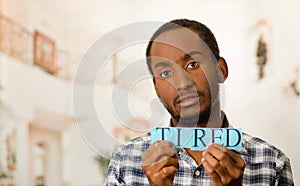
(169, 170)
(158, 151)
(215, 164)
(234, 156)
(211, 172)
(229, 162)
(157, 166)
(225, 155)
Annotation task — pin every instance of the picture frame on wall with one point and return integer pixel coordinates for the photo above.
(44, 52)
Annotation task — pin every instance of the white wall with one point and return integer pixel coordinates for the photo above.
(53, 160)
(45, 16)
(27, 88)
(265, 108)
(80, 166)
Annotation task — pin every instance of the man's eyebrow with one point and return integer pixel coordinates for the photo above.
(185, 57)
(162, 64)
(190, 54)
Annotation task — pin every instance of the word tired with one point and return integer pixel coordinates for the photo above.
(198, 138)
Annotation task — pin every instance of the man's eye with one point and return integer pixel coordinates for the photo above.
(165, 74)
(193, 65)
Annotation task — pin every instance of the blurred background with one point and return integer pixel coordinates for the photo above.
(42, 43)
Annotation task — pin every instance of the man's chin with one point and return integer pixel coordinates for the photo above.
(188, 120)
(199, 119)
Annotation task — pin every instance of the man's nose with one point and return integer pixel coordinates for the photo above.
(182, 80)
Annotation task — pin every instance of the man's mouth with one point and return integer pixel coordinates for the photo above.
(187, 100)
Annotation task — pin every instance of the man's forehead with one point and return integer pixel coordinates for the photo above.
(182, 39)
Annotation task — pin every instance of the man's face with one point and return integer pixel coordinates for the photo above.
(185, 74)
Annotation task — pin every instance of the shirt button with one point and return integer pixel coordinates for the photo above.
(197, 173)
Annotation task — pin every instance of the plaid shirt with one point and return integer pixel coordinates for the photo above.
(265, 165)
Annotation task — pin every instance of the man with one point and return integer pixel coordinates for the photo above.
(183, 57)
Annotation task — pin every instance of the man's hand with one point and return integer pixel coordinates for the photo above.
(160, 163)
(223, 166)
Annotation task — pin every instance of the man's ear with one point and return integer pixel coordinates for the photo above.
(222, 70)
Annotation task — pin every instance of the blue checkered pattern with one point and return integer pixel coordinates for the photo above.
(265, 165)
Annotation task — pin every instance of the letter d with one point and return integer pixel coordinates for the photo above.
(237, 138)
